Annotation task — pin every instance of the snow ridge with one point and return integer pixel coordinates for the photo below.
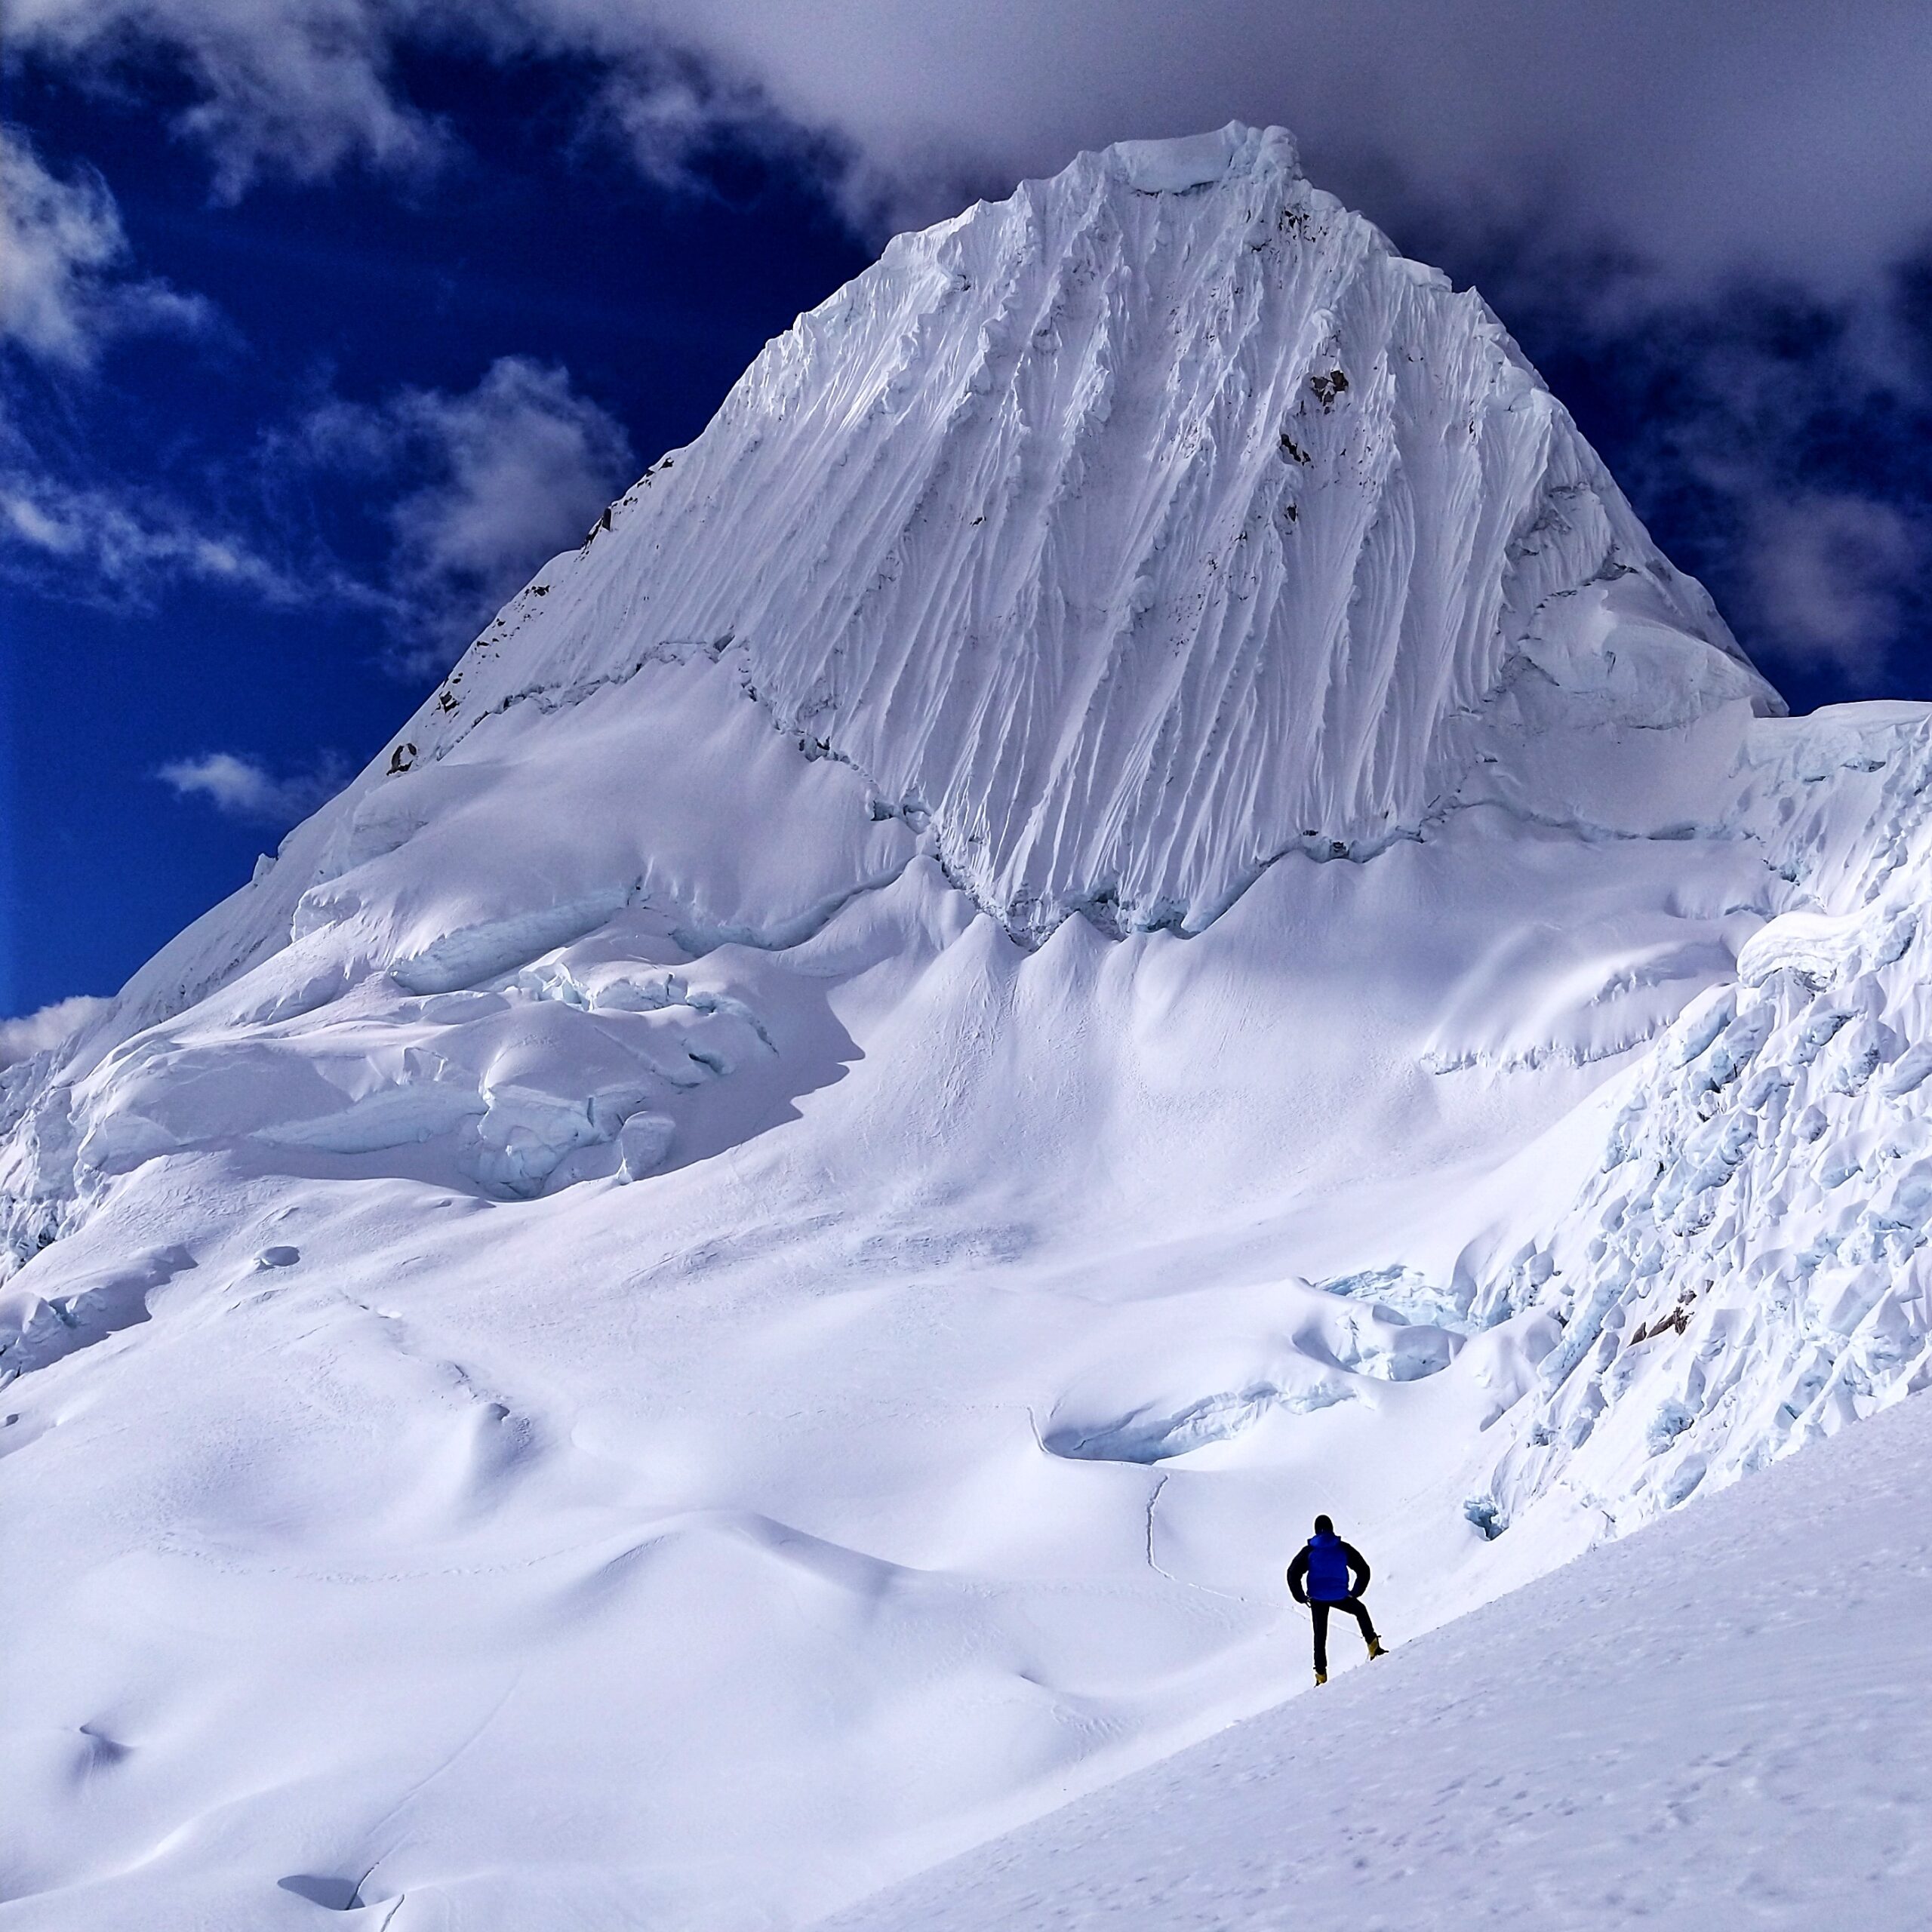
(1131, 532)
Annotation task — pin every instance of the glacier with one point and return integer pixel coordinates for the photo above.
(1129, 903)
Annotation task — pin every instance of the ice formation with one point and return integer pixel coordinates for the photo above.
(1128, 904)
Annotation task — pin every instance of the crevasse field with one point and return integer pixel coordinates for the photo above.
(1129, 904)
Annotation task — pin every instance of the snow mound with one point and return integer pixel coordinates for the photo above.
(1197, 161)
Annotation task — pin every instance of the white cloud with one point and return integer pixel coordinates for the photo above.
(483, 486)
(1829, 577)
(244, 788)
(527, 464)
(63, 246)
(1769, 135)
(64, 294)
(114, 547)
(514, 470)
(1763, 135)
(57, 237)
(301, 86)
(20, 1039)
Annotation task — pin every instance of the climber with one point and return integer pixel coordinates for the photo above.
(1331, 1574)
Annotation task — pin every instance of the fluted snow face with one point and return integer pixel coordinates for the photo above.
(1130, 531)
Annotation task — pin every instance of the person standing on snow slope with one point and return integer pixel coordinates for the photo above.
(1331, 1574)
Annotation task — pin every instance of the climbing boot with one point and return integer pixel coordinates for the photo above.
(1321, 1677)
(1375, 1649)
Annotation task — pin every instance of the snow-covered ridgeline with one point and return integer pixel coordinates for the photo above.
(1128, 538)
(1112, 540)
(365, 996)
(1069, 531)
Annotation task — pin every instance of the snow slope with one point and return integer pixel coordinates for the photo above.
(1710, 1724)
(741, 1265)
(1129, 538)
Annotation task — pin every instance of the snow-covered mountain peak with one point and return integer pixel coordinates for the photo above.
(1125, 535)
(1186, 161)
(600, 1344)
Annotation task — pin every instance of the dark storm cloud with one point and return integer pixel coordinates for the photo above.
(1755, 133)
(1761, 135)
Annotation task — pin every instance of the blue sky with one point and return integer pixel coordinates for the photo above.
(351, 334)
(323, 322)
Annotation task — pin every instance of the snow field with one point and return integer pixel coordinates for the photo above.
(1711, 1723)
(944, 1409)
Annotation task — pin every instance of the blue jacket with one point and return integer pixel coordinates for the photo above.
(1327, 1571)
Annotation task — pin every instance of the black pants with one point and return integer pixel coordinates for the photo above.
(1319, 1611)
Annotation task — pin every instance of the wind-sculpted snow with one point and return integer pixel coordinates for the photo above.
(1063, 547)
(390, 1013)
(1128, 538)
